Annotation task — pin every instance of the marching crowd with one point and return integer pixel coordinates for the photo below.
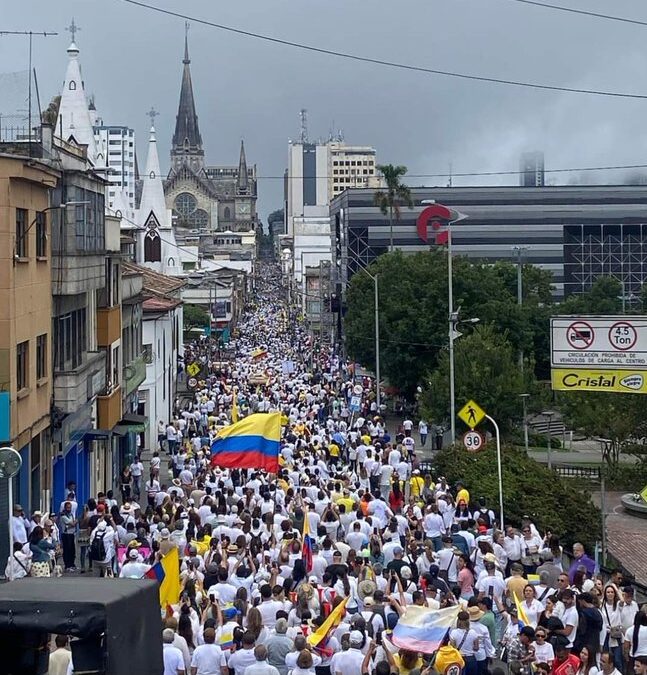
(385, 538)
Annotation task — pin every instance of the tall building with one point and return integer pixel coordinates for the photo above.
(531, 169)
(118, 142)
(26, 184)
(205, 198)
(316, 174)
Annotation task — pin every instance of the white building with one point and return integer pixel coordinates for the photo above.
(118, 142)
(317, 172)
(162, 343)
(156, 245)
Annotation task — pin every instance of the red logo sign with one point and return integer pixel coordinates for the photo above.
(438, 216)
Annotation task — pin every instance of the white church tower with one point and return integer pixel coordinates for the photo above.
(74, 122)
(156, 247)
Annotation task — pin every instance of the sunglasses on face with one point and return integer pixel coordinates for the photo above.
(540, 635)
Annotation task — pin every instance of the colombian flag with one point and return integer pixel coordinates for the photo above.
(328, 625)
(167, 574)
(252, 443)
(306, 548)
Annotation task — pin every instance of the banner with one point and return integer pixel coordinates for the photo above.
(615, 381)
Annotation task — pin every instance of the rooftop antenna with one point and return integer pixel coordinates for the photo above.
(449, 184)
(303, 114)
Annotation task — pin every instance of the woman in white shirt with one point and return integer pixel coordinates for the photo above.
(544, 652)
(612, 634)
(466, 641)
(531, 606)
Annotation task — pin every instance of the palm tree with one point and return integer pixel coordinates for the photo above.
(396, 193)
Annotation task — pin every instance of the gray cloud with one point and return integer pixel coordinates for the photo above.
(249, 89)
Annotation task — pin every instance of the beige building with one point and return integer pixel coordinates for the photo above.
(351, 166)
(26, 319)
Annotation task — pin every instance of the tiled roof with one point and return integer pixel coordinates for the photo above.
(159, 304)
(155, 284)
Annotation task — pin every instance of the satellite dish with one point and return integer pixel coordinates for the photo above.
(10, 462)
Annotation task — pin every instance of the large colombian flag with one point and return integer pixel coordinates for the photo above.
(421, 629)
(167, 574)
(252, 443)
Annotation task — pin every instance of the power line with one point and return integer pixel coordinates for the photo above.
(381, 62)
(465, 174)
(572, 10)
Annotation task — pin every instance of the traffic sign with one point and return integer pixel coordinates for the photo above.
(580, 335)
(471, 413)
(358, 390)
(192, 383)
(473, 441)
(599, 342)
(355, 403)
(193, 369)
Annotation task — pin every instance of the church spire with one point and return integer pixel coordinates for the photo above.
(242, 184)
(187, 142)
(152, 199)
(74, 121)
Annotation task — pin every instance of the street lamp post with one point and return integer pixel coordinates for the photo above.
(549, 414)
(453, 317)
(519, 250)
(524, 397)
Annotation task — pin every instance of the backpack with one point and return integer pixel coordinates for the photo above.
(98, 547)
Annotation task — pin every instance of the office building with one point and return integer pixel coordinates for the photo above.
(578, 233)
(118, 143)
(531, 169)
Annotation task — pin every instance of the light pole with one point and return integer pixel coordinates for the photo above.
(499, 469)
(549, 414)
(453, 320)
(524, 397)
(10, 463)
(519, 250)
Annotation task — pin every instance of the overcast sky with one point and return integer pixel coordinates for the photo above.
(246, 88)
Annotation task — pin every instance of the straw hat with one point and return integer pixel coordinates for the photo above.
(366, 588)
(475, 613)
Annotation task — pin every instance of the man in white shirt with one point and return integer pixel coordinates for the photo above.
(423, 430)
(241, 658)
(350, 661)
(136, 471)
(570, 618)
(208, 659)
(19, 525)
(173, 661)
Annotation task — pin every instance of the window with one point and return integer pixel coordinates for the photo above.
(70, 339)
(72, 85)
(41, 234)
(21, 233)
(22, 365)
(41, 356)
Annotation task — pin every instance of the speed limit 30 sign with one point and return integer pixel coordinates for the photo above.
(473, 441)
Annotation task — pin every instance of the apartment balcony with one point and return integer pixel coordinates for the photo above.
(134, 374)
(108, 325)
(109, 409)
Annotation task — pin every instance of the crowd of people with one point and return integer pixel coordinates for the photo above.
(384, 536)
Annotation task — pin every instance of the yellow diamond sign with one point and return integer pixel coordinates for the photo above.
(193, 369)
(472, 414)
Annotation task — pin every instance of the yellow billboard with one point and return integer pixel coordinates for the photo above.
(616, 381)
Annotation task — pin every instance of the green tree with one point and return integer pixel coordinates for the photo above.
(414, 312)
(604, 297)
(486, 369)
(619, 419)
(529, 489)
(396, 193)
(194, 317)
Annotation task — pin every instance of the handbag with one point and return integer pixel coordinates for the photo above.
(615, 632)
(27, 571)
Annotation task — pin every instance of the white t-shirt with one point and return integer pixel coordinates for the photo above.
(570, 618)
(641, 649)
(173, 660)
(208, 659)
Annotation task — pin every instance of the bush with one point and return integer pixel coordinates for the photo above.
(529, 488)
(626, 477)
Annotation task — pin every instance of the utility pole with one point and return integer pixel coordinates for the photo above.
(519, 250)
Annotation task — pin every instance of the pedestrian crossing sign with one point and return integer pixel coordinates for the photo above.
(193, 369)
(643, 493)
(472, 414)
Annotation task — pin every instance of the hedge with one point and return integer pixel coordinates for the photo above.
(529, 488)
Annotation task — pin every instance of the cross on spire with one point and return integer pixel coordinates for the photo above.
(73, 28)
(186, 43)
(152, 113)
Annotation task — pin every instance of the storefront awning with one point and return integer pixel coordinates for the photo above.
(130, 419)
(97, 434)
